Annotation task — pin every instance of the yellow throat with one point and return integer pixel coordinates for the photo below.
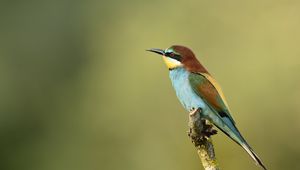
(171, 63)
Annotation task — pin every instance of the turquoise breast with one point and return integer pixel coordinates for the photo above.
(187, 97)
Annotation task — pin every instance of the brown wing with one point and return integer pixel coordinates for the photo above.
(209, 90)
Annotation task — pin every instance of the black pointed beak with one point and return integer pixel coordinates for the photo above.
(157, 51)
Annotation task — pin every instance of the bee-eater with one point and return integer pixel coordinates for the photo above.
(197, 89)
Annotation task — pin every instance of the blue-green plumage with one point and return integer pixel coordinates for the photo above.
(190, 100)
(188, 97)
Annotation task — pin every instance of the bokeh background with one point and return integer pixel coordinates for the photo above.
(78, 91)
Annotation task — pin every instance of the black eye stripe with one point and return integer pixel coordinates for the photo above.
(173, 55)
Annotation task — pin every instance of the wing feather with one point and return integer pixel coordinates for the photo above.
(209, 90)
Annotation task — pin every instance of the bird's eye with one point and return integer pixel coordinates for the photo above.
(171, 54)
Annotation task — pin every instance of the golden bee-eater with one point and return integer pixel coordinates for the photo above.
(197, 89)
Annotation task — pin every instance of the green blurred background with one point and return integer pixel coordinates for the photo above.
(78, 91)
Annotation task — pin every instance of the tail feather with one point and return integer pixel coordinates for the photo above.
(253, 155)
(231, 131)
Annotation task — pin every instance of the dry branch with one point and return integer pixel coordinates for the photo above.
(200, 131)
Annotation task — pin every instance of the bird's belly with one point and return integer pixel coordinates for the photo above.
(188, 98)
(186, 95)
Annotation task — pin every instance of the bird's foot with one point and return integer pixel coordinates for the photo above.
(204, 127)
(208, 129)
(193, 111)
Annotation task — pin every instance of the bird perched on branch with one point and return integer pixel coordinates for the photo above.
(196, 89)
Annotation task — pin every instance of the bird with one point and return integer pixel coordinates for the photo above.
(197, 89)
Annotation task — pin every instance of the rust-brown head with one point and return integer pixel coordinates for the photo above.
(179, 56)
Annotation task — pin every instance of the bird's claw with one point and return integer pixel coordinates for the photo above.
(205, 127)
(208, 129)
(193, 111)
